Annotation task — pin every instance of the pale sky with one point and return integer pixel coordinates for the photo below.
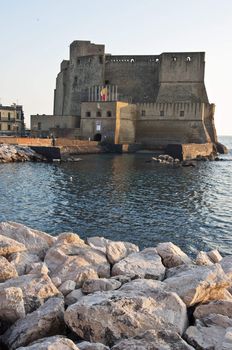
(35, 37)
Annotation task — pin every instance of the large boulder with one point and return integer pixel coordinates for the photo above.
(35, 241)
(11, 305)
(203, 259)
(45, 321)
(8, 245)
(198, 284)
(71, 259)
(214, 255)
(22, 261)
(153, 340)
(85, 345)
(100, 284)
(172, 255)
(108, 317)
(226, 264)
(207, 338)
(51, 343)
(116, 251)
(222, 307)
(35, 289)
(7, 270)
(145, 264)
(73, 297)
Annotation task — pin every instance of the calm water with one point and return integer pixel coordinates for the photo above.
(124, 198)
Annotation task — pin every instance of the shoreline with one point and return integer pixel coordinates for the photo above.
(103, 294)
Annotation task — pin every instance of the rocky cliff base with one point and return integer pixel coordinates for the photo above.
(14, 153)
(61, 293)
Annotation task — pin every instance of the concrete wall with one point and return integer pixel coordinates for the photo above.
(190, 151)
(46, 122)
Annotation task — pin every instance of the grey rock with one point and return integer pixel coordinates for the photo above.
(7, 270)
(67, 287)
(107, 317)
(73, 297)
(205, 338)
(203, 259)
(8, 245)
(153, 340)
(46, 321)
(145, 264)
(35, 241)
(116, 251)
(51, 343)
(222, 307)
(23, 261)
(198, 284)
(85, 345)
(214, 255)
(172, 255)
(11, 304)
(101, 284)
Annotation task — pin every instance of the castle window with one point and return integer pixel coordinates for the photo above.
(143, 113)
(100, 59)
(157, 60)
(98, 114)
(0, 126)
(78, 61)
(181, 113)
(107, 82)
(88, 114)
(8, 115)
(162, 113)
(132, 60)
(39, 126)
(188, 59)
(174, 58)
(9, 127)
(109, 114)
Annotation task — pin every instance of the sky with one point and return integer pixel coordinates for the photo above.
(35, 38)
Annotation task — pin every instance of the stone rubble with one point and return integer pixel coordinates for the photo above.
(14, 153)
(64, 293)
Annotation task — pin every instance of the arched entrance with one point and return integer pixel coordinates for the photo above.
(97, 137)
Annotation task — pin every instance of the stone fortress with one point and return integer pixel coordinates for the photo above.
(151, 100)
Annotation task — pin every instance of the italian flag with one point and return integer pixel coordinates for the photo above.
(103, 94)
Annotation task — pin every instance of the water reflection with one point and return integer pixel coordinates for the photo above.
(123, 197)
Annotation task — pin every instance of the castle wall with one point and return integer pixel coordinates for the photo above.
(125, 123)
(136, 76)
(164, 123)
(181, 77)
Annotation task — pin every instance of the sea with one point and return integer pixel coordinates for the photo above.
(125, 197)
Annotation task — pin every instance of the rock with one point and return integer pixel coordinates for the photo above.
(116, 251)
(22, 261)
(189, 163)
(36, 242)
(7, 270)
(145, 264)
(39, 268)
(46, 321)
(215, 256)
(152, 340)
(198, 284)
(70, 238)
(101, 284)
(107, 317)
(205, 338)
(172, 255)
(123, 278)
(51, 343)
(56, 281)
(226, 264)
(85, 345)
(203, 259)
(73, 297)
(15, 153)
(98, 243)
(67, 287)
(35, 289)
(221, 148)
(222, 307)
(217, 320)
(76, 261)
(11, 304)
(8, 246)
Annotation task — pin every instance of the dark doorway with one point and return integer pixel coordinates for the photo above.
(97, 137)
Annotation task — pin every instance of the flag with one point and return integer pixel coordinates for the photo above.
(103, 94)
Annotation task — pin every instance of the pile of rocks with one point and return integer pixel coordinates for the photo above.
(66, 293)
(13, 153)
(165, 159)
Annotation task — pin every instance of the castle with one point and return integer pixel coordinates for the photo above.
(152, 100)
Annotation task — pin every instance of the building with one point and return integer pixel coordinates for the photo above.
(12, 120)
(152, 100)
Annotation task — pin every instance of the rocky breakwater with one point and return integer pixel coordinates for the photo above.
(13, 153)
(66, 293)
